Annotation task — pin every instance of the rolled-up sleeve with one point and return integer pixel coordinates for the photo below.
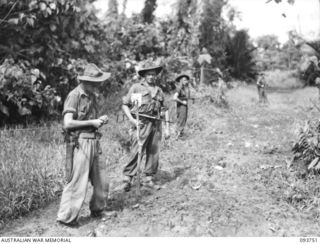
(71, 105)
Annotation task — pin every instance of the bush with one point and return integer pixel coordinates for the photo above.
(281, 79)
(306, 149)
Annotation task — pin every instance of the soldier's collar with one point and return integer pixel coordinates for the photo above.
(82, 92)
(145, 84)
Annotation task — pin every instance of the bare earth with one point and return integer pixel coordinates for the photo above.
(226, 178)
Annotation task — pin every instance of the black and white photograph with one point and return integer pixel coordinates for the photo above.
(159, 118)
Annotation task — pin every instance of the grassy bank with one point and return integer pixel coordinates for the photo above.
(282, 79)
(31, 172)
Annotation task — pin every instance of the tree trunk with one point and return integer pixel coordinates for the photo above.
(202, 74)
(124, 7)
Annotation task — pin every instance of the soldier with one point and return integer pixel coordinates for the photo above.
(222, 87)
(147, 99)
(261, 83)
(181, 97)
(317, 83)
(81, 124)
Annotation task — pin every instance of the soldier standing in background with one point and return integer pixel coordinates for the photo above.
(261, 84)
(317, 83)
(147, 99)
(80, 123)
(181, 97)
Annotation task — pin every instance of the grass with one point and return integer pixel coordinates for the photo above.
(282, 79)
(31, 172)
(32, 162)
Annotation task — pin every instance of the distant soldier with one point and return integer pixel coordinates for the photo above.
(81, 124)
(181, 97)
(261, 84)
(222, 87)
(317, 83)
(147, 99)
(312, 71)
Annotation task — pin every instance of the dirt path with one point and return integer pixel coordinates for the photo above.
(222, 180)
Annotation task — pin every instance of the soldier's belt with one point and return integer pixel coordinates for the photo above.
(89, 135)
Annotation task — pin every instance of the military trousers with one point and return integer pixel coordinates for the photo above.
(150, 137)
(86, 166)
(182, 115)
(262, 95)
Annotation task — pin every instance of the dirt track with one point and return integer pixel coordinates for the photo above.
(216, 182)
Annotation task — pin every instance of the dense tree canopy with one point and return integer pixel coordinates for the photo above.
(44, 40)
(148, 11)
(39, 42)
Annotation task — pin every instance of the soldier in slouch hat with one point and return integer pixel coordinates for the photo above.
(81, 122)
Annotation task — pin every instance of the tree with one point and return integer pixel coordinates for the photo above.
(240, 56)
(268, 42)
(148, 11)
(212, 29)
(112, 11)
(290, 51)
(269, 52)
(39, 42)
(182, 30)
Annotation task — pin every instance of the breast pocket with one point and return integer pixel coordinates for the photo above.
(146, 97)
(83, 110)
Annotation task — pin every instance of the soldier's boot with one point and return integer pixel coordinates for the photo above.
(103, 214)
(72, 224)
(148, 181)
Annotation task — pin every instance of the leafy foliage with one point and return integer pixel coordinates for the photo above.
(240, 55)
(271, 55)
(148, 11)
(112, 9)
(49, 35)
(40, 40)
(212, 31)
(306, 149)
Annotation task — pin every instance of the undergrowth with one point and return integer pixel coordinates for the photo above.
(32, 162)
(31, 172)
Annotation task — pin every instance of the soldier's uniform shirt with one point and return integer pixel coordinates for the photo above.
(261, 82)
(86, 164)
(261, 89)
(182, 93)
(83, 106)
(151, 101)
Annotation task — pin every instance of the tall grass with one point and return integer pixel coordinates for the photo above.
(32, 161)
(31, 169)
(283, 79)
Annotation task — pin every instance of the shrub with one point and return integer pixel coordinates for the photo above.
(282, 79)
(306, 149)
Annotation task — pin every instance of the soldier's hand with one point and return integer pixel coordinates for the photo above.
(185, 102)
(104, 118)
(97, 123)
(135, 122)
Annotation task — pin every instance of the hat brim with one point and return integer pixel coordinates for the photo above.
(157, 69)
(181, 76)
(103, 77)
